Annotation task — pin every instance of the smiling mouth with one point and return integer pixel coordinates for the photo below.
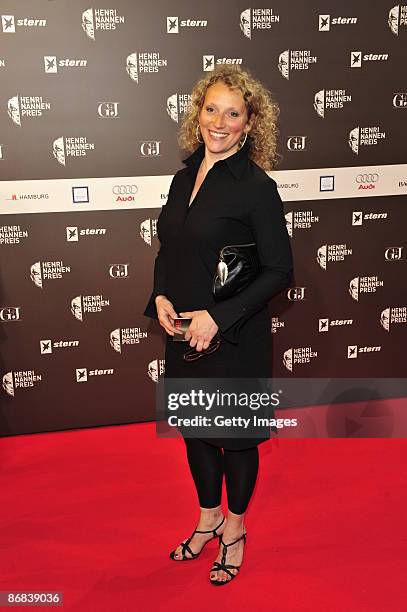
(218, 135)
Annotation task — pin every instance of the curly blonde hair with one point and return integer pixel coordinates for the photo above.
(258, 100)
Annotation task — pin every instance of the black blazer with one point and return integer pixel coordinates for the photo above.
(237, 203)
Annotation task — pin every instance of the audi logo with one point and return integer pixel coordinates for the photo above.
(367, 178)
(125, 189)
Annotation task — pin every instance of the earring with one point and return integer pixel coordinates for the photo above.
(197, 132)
(242, 144)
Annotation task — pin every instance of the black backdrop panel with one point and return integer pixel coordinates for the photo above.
(96, 93)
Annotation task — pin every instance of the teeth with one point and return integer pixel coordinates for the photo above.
(218, 134)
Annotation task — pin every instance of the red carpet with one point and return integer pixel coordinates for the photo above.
(94, 513)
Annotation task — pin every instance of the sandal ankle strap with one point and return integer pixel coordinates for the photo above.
(225, 546)
(230, 543)
(212, 530)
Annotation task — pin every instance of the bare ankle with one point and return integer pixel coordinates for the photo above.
(209, 515)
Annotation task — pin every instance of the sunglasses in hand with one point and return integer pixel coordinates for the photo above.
(194, 355)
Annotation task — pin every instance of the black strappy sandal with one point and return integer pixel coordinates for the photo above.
(185, 545)
(222, 565)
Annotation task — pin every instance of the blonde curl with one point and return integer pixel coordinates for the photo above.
(258, 100)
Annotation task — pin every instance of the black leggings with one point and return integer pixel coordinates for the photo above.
(208, 464)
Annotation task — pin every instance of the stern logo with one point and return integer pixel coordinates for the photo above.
(324, 325)
(73, 233)
(354, 350)
(174, 24)
(209, 61)
(9, 23)
(358, 217)
(325, 22)
(51, 63)
(47, 346)
(83, 374)
(357, 57)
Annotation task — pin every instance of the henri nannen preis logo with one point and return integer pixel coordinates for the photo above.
(88, 304)
(156, 368)
(297, 356)
(126, 335)
(64, 148)
(18, 379)
(397, 18)
(253, 19)
(100, 19)
(143, 62)
(326, 100)
(290, 61)
(392, 315)
(47, 270)
(27, 107)
(364, 284)
(148, 229)
(177, 105)
(331, 253)
(360, 137)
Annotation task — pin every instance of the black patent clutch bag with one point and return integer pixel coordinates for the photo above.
(237, 267)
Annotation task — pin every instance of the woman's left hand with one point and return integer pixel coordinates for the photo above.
(201, 329)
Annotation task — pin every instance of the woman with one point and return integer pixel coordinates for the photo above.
(222, 197)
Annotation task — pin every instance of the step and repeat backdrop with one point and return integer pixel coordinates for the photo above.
(91, 98)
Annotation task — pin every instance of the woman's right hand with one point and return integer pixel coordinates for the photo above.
(166, 314)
